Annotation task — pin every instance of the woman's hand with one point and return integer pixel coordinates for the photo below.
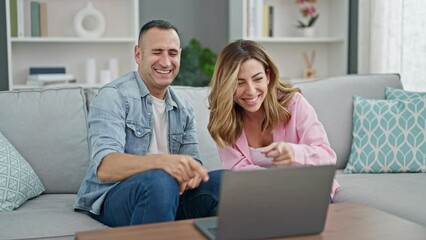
(281, 152)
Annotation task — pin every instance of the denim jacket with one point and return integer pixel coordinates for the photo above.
(120, 120)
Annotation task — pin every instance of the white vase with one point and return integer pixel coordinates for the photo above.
(307, 32)
(89, 22)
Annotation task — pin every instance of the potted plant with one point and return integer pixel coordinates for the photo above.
(196, 65)
(310, 16)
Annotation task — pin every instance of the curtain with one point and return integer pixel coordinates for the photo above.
(395, 37)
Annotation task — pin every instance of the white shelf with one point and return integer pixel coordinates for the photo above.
(62, 47)
(297, 40)
(287, 47)
(84, 85)
(72, 40)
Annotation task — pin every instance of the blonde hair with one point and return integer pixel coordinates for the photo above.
(225, 122)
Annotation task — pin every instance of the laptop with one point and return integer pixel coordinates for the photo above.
(268, 203)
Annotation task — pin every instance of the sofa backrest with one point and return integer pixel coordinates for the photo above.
(332, 99)
(197, 96)
(48, 128)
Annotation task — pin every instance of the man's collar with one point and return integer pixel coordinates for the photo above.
(144, 91)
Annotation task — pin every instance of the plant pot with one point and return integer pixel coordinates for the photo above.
(307, 32)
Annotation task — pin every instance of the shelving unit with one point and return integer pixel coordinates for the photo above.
(62, 46)
(287, 46)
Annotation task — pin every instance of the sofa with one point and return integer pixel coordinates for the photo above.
(48, 128)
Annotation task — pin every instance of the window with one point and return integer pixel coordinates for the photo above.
(392, 39)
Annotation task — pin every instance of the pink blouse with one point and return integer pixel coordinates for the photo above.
(304, 132)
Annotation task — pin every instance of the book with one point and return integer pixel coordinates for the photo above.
(13, 18)
(20, 18)
(46, 70)
(271, 21)
(259, 19)
(41, 83)
(265, 21)
(247, 20)
(43, 19)
(255, 16)
(35, 19)
(51, 77)
(251, 4)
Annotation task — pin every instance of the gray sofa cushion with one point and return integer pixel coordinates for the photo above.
(47, 216)
(198, 97)
(18, 181)
(333, 102)
(48, 127)
(402, 194)
(90, 94)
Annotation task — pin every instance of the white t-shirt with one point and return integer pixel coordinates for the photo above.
(159, 131)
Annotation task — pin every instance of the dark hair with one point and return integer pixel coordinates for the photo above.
(162, 24)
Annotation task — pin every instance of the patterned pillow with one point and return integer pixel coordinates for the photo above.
(388, 136)
(18, 181)
(394, 93)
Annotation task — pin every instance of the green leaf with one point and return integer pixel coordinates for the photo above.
(313, 20)
(301, 24)
(196, 65)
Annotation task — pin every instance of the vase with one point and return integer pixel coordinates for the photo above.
(307, 32)
(89, 22)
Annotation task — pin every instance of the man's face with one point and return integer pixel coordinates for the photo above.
(158, 58)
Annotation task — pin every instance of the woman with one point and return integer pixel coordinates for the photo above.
(256, 120)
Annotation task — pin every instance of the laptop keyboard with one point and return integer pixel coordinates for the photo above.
(212, 230)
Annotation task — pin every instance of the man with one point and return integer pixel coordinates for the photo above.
(145, 165)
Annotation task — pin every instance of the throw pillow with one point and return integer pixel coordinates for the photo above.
(388, 136)
(394, 93)
(18, 181)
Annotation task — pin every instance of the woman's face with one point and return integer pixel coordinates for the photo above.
(252, 86)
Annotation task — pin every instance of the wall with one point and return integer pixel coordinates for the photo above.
(205, 20)
(364, 37)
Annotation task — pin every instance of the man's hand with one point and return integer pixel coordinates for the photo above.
(187, 171)
(281, 152)
(191, 184)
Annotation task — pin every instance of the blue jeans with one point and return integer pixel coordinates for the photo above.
(153, 196)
